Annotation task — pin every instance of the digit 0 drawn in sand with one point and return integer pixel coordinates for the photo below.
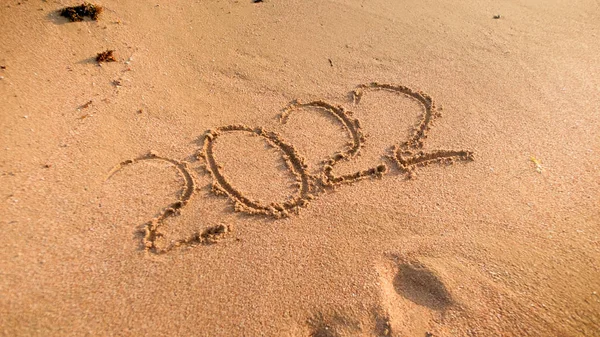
(352, 126)
(406, 155)
(294, 163)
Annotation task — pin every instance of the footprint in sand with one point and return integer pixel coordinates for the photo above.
(332, 325)
(414, 297)
(420, 285)
(308, 178)
(414, 300)
(338, 324)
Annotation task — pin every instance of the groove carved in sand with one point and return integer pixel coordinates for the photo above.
(352, 127)
(407, 155)
(242, 203)
(151, 228)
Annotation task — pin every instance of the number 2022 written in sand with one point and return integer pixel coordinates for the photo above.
(405, 156)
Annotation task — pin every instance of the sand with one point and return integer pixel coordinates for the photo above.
(272, 190)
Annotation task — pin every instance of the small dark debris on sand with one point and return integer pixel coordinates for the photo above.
(86, 105)
(2, 67)
(497, 16)
(106, 56)
(257, 1)
(77, 13)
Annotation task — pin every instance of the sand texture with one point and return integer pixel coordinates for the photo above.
(322, 168)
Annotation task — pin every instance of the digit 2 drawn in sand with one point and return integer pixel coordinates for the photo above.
(407, 155)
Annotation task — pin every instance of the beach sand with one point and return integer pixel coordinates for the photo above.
(331, 218)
